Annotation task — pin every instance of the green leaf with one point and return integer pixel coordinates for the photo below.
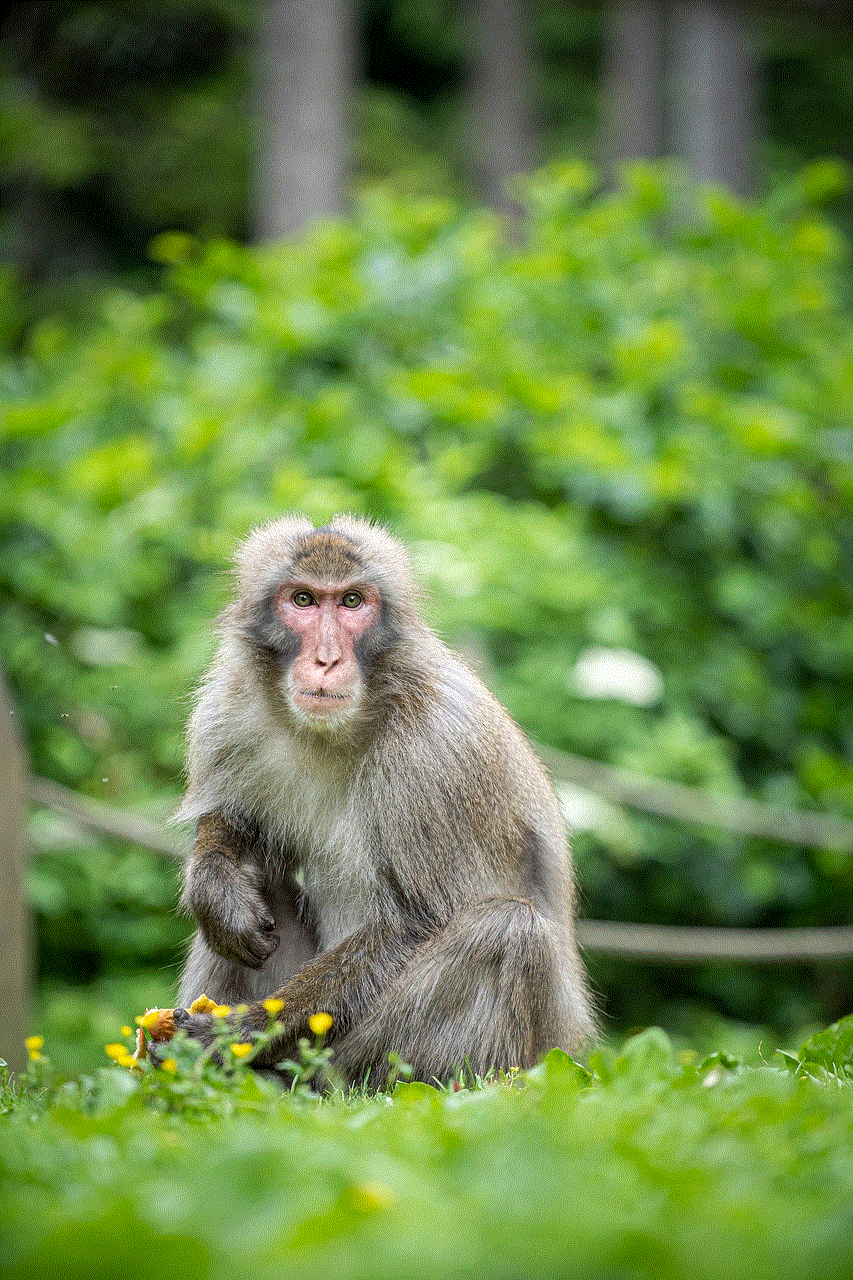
(832, 1048)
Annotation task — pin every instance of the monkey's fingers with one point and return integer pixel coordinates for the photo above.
(254, 949)
(241, 941)
(154, 1053)
(252, 938)
(198, 1026)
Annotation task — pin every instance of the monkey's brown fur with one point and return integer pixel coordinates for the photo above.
(434, 918)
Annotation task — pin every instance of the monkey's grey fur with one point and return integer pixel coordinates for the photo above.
(435, 913)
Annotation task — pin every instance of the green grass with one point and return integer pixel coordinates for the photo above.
(78, 1020)
(644, 1163)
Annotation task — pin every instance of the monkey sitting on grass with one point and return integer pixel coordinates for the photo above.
(335, 736)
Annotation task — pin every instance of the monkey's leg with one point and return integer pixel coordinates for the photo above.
(229, 982)
(493, 989)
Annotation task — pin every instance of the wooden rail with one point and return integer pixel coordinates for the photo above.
(103, 819)
(678, 803)
(689, 944)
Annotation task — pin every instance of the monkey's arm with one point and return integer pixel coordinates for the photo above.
(222, 889)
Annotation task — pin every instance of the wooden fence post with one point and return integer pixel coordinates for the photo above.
(15, 957)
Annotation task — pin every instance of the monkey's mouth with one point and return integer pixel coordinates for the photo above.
(320, 696)
(320, 693)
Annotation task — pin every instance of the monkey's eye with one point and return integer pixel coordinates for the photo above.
(351, 600)
(302, 599)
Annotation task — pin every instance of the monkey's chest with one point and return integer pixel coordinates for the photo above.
(313, 811)
(339, 884)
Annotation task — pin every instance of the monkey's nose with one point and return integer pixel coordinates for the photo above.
(327, 662)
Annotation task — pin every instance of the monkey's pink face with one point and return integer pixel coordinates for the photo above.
(324, 682)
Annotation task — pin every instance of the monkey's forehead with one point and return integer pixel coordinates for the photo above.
(328, 557)
(348, 547)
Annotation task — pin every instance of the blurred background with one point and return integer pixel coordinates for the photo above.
(559, 291)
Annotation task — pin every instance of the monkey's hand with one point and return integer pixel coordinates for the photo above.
(202, 1028)
(234, 919)
(198, 1026)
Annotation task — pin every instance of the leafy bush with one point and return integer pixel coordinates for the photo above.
(646, 1164)
(617, 430)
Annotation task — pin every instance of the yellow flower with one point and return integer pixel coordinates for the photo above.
(202, 1004)
(273, 1006)
(170, 1065)
(148, 1020)
(119, 1054)
(220, 1010)
(242, 1050)
(320, 1023)
(126, 1031)
(35, 1043)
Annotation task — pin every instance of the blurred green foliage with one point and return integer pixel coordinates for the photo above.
(120, 120)
(699, 1168)
(621, 429)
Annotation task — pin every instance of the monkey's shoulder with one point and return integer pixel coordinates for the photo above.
(468, 731)
(464, 774)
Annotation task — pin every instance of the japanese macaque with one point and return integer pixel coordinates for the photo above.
(375, 838)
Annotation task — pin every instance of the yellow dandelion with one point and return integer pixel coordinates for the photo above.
(34, 1043)
(148, 1020)
(170, 1065)
(242, 1050)
(120, 1055)
(273, 1006)
(320, 1023)
(202, 1004)
(220, 1010)
(34, 1055)
(126, 1031)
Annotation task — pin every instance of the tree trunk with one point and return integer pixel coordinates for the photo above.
(635, 116)
(500, 78)
(15, 961)
(305, 58)
(714, 93)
